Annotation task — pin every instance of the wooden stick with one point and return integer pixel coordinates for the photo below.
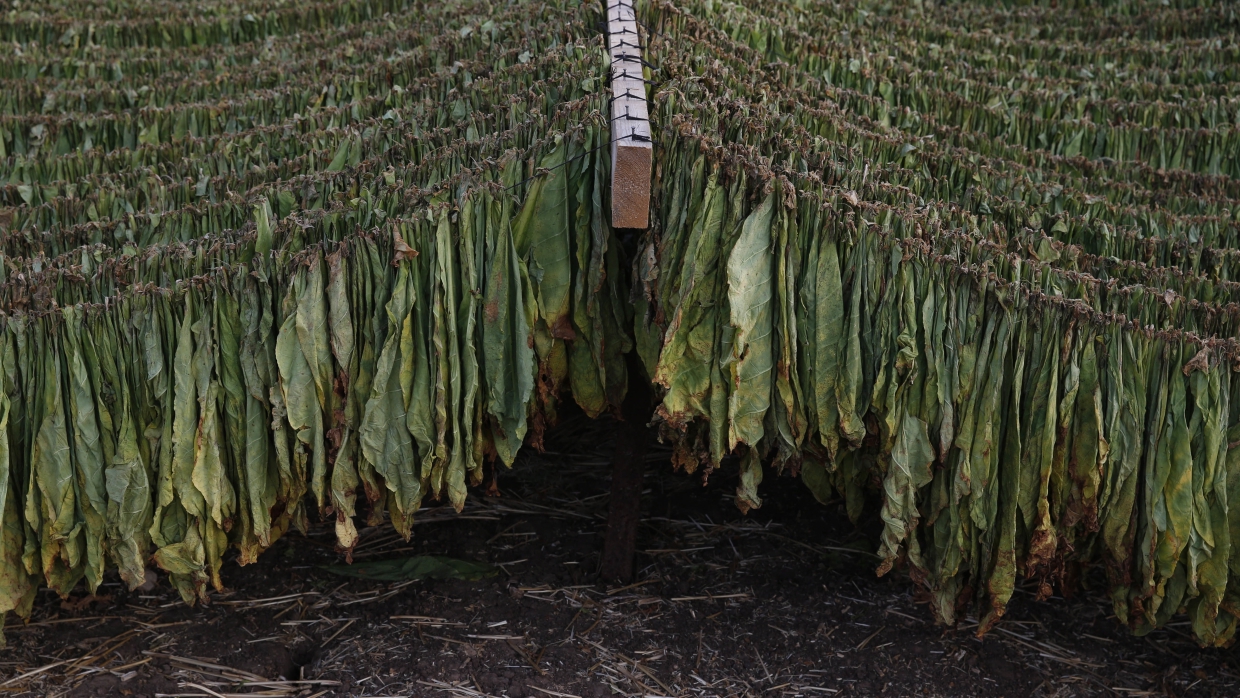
(627, 470)
(632, 151)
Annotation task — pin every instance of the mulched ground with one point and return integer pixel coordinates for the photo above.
(781, 602)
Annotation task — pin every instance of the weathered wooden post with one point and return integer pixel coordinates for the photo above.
(632, 156)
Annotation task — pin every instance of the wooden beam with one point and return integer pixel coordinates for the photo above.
(632, 156)
(632, 151)
(628, 469)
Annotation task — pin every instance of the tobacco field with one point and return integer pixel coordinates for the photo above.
(974, 266)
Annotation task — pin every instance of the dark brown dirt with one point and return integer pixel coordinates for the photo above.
(781, 602)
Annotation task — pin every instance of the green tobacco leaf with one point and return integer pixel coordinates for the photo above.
(59, 529)
(129, 506)
(791, 421)
(909, 472)
(88, 450)
(816, 478)
(848, 384)
(261, 473)
(17, 587)
(418, 567)
(587, 368)
(386, 442)
(828, 343)
(342, 333)
(469, 291)
(344, 476)
(542, 237)
(262, 221)
(508, 357)
(456, 411)
(297, 382)
(751, 270)
(688, 356)
(313, 332)
(185, 417)
(341, 158)
(418, 361)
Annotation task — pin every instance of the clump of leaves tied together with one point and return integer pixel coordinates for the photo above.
(864, 274)
(309, 278)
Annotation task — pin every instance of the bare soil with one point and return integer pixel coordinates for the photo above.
(780, 602)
